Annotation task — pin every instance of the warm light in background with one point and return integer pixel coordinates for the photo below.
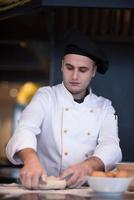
(8, 100)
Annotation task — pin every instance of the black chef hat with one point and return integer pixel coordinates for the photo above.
(76, 42)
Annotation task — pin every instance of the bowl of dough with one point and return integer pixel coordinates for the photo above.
(112, 182)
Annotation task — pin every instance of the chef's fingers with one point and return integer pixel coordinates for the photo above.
(76, 185)
(31, 181)
(43, 178)
(35, 181)
(26, 180)
(80, 181)
(66, 173)
(73, 179)
(77, 180)
(66, 176)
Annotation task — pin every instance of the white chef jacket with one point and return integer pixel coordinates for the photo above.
(64, 132)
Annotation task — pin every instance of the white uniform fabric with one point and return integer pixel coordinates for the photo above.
(64, 132)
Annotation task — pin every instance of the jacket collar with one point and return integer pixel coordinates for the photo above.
(68, 97)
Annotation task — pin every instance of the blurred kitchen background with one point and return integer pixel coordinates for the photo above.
(30, 51)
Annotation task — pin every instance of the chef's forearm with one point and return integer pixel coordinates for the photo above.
(28, 155)
(93, 164)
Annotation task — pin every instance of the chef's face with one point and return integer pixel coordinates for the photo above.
(78, 72)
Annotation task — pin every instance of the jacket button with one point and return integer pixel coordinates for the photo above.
(91, 110)
(66, 153)
(66, 109)
(65, 131)
(88, 133)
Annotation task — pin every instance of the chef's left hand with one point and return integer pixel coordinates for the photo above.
(81, 171)
(78, 176)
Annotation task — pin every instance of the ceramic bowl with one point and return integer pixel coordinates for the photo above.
(109, 184)
(129, 167)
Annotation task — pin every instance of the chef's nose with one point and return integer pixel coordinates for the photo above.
(75, 74)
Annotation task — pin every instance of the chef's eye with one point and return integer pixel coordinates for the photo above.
(69, 67)
(83, 69)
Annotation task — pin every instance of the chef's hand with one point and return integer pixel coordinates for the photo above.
(32, 173)
(81, 171)
(75, 175)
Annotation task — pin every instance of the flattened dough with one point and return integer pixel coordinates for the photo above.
(53, 183)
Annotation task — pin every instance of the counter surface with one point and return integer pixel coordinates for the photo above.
(17, 192)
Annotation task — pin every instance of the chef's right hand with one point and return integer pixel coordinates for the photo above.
(32, 172)
(31, 175)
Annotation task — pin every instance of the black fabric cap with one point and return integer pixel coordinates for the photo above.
(76, 42)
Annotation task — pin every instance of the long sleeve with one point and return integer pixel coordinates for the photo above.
(108, 149)
(27, 129)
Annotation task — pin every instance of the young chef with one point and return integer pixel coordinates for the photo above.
(66, 128)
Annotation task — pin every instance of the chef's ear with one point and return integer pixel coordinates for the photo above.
(94, 70)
